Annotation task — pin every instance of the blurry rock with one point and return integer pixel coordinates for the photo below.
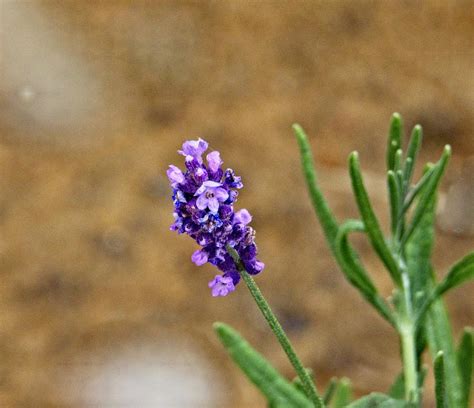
(168, 373)
(52, 87)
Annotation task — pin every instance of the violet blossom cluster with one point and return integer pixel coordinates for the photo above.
(204, 197)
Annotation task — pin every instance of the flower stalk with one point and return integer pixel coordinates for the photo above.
(275, 326)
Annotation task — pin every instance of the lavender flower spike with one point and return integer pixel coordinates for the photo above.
(204, 197)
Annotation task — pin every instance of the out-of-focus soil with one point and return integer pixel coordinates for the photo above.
(95, 99)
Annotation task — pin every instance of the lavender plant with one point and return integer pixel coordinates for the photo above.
(204, 196)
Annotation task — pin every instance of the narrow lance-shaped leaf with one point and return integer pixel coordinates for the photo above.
(329, 391)
(465, 357)
(394, 200)
(412, 153)
(370, 221)
(439, 335)
(276, 388)
(397, 390)
(429, 192)
(398, 161)
(461, 272)
(440, 384)
(320, 205)
(378, 400)
(355, 272)
(413, 193)
(394, 140)
(323, 212)
(343, 394)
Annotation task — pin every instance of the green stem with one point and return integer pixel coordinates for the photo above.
(409, 363)
(274, 324)
(407, 334)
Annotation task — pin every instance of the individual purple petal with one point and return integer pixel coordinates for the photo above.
(214, 161)
(200, 257)
(221, 285)
(202, 202)
(175, 175)
(242, 216)
(213, 204)
(220, 193)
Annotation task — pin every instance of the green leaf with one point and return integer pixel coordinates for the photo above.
(429, 192)
(394, 200)
(440, 385)
(370, 221)
(378, 400)
(459, 273)
(465, 356)
(418, 252)
(436, 325)
(355, 272)
(324, 213)
(418, 187)
(329, 391)
(397, 165)
(397, 390)
(412, 153)
(394, 140)
(320, 205)
(440, 338)
(322, 210)
(279, 391)
(343, 394)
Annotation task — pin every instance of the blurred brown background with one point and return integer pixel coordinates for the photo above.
(100, 305)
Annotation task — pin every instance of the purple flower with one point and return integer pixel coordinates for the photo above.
(200, 257)
(210, 195)
(193, 149)
(242, 216)
(203, 198)
(214, 161)
(221, 285)
(175, 175)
